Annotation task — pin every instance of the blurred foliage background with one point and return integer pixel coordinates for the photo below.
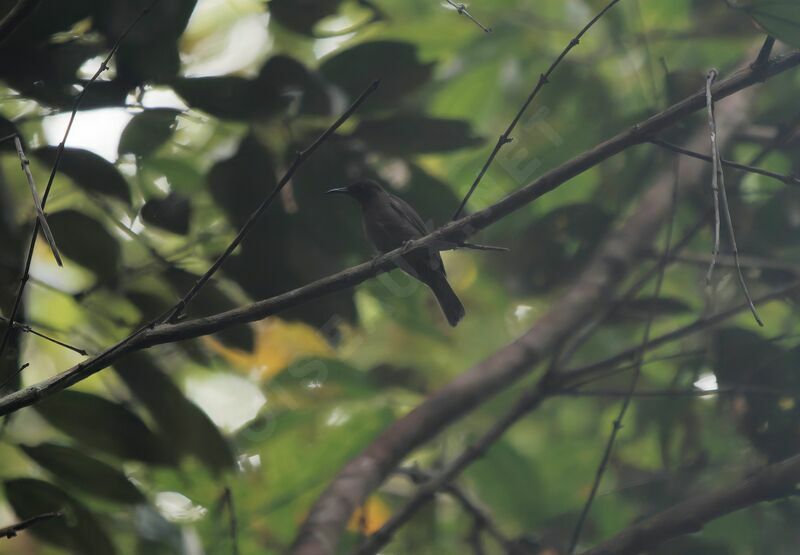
(202, 110)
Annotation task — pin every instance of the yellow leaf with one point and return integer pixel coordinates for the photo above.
(278, 344)
(369, 518)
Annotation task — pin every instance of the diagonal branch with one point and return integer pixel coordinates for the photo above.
(11, 531)
(462, 10)
(37, 202)
(772, 482)
(786, 179)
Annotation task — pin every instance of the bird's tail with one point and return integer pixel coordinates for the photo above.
(448, 301)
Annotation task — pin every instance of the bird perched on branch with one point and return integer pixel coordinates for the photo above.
(389, 223)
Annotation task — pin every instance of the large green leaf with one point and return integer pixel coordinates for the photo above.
(147, 131)
(189, 428)
(78, 530)
(395, 63)
(83, 472)
(87, 242)
(88, 170)
(104, 425)
(779, 18)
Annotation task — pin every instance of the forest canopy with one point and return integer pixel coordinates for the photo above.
(202, 354)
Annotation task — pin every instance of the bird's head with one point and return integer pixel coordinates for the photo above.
(362, 191)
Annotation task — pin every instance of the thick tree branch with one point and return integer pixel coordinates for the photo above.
(773, 482)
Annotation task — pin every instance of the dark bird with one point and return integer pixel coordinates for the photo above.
(389, 223)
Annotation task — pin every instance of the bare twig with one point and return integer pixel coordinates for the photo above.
(462, 10)
(28, 329)
(301, 157)
(787, 179)
(617, 425)
(544, 78)
(420, 477)
(662, 393)
(11, 531)
(718, 184)
(59, 154)
(526, 403)
(772, 482)
(715, 172)
(37, 202)
(595, 369)
(764, 53)
(233, 523)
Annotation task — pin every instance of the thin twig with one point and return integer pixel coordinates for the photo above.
(787, 179)
(420, 477)
(527, 402)
(764, 53)
(462, 10)
(233, 523)
(59, 153)
(301, 157)
(661, 393)
(715, 172)
(11, 531)
(617, 425)
(544, 78)
(37, 202)
(772, 482)
(718, 184)
(28, 329)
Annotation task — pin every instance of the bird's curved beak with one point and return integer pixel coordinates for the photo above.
(340, 191)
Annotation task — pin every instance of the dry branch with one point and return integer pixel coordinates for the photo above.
(773, 482)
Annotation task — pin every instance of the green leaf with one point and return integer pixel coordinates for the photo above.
(188, 427)
(86, 473)
(779, 18)
(104, 425)
(278, 83)
(86, 241)
(407, 134)
(78, 530)
(88, 171)
(301, 15)
(147, 131)
(395, 63)
(172, 213)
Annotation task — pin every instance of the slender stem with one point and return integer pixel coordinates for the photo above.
(11, 531)
(544, 78)
(787, 179)
(617, 425)
(462, 10)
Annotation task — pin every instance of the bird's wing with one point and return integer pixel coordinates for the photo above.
(410, 215)
(405, 211)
